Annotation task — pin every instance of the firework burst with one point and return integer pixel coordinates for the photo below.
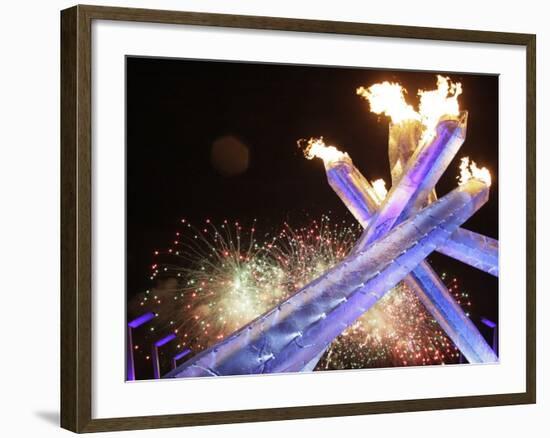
(397, 331)
(213, 280)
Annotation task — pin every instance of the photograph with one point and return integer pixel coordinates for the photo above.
(287, 218)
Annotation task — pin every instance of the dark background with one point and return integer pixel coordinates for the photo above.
(177, 109)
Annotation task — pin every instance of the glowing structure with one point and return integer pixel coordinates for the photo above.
(155, 353)
(179, 356)
(134, 324)
(293, 334)
(409, 129)
(360, 197)
(493, 326)
(401, 230)
(474, 249)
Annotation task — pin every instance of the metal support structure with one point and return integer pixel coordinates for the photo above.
(494, 327)
(180, 355)
(135, 323)
(155, 353)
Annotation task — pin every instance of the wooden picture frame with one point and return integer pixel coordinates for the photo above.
(76, 217)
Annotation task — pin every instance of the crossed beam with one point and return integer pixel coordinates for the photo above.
(400, 232)
(476, 250)
(360, 198)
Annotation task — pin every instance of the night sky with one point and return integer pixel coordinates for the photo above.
(178, 109)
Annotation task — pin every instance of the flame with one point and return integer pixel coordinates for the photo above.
(437, 103)
(329, 154)
(379, 187)
(469, 170)
(389, 98)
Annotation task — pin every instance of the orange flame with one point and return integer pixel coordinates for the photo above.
(389, 99)
(469, 170)
(437, 103)
(316, 147)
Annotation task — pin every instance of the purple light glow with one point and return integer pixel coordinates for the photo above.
(140, 320)
(488, 323)
(165, 340)
(182, 354)
(135, 323)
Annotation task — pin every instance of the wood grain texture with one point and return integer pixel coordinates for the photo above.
(69, 328)
(531, 217)
(76, 223)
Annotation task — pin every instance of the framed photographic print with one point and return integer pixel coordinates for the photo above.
(267, 218)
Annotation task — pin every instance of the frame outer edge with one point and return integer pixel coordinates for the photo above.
(531, 244)
(69, 330)
(76, 223)
(76, 251)
(303, 25)
(84, 217)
